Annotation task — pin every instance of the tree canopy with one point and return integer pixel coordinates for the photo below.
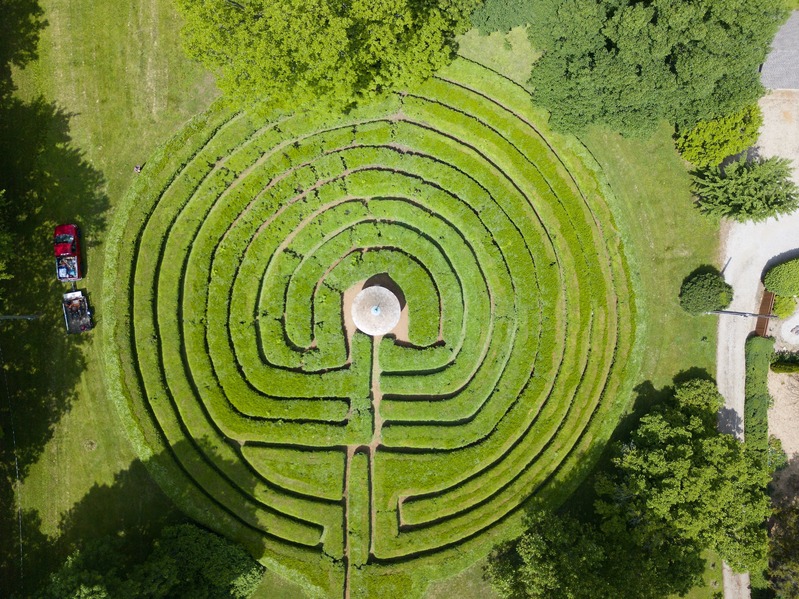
(703, 291)
(676, 488)
(747, 190)
(680, 474)
(561, 556)
(186, 561)
(710, 142)
(631, 64)
(301, 53)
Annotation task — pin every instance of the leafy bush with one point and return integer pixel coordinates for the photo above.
(705, 291)
(781, 367)
(783, 279)
(745, 191)
(595, 70)
(784, 306)
(710, 142)
(759, 352)
(503, 15)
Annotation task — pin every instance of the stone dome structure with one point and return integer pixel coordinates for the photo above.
(376, 311)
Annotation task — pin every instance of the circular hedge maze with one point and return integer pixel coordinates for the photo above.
(350, 460)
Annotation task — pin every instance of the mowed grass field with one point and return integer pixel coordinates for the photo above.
(118, 86)
(110, 83)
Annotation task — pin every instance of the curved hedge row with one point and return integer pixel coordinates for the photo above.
(243, 237)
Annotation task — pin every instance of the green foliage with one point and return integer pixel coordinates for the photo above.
(759, 353)
(630, 65)
(679, 473)
(782, 367)
(784, 306)
(783, 572)
(186, 561)
(783, 279)
(6, 245)
(709, 142)
(560, 556)
(703, 291)
(503, 15)
(320, 53)
(745, 190)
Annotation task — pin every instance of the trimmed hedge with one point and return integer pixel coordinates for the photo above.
(783, 279)
(229, 308)
(759, 353)
(705, 291)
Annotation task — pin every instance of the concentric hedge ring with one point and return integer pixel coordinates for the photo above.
(292, 427)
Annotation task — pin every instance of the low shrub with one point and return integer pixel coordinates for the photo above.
(710, 142)
(785, 367)
(783, 279)
(784, 306)
(703, 291)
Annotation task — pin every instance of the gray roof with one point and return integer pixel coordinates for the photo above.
(781, 69)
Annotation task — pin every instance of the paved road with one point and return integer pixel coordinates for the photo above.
(747, 249)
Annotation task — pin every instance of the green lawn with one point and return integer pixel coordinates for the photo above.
(109, 84)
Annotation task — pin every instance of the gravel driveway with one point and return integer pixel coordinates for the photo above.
(746, 250)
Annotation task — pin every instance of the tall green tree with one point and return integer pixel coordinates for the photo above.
(747, 190)
(186, 561)
(329, 53)
(710, 142)
(561, 556)
(678, 473)
(631, 64)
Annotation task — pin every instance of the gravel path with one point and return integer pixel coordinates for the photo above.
(746, 250)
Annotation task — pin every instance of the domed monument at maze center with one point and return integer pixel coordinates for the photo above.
(368, 463)
(376, 311)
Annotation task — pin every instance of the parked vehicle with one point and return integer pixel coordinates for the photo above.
(66, 244)
(77, 316)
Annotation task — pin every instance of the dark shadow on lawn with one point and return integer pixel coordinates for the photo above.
(19, 37)
(132, 510)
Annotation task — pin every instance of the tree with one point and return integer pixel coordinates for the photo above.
(783, 279)
(709, 142)
(784, 551)
(678, 473)
(703, 291)
(746, 190)
(630, 64)
(561, 556)
(304, 53)
(186, 561)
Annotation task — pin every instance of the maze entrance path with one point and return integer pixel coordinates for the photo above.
(355, 464)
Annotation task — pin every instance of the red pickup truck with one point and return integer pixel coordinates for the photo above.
(66, 241)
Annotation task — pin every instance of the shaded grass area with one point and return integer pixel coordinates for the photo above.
(97, 86)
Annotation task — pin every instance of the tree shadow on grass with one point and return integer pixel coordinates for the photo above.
(47, 180)
(132, 510)
(19, 37)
